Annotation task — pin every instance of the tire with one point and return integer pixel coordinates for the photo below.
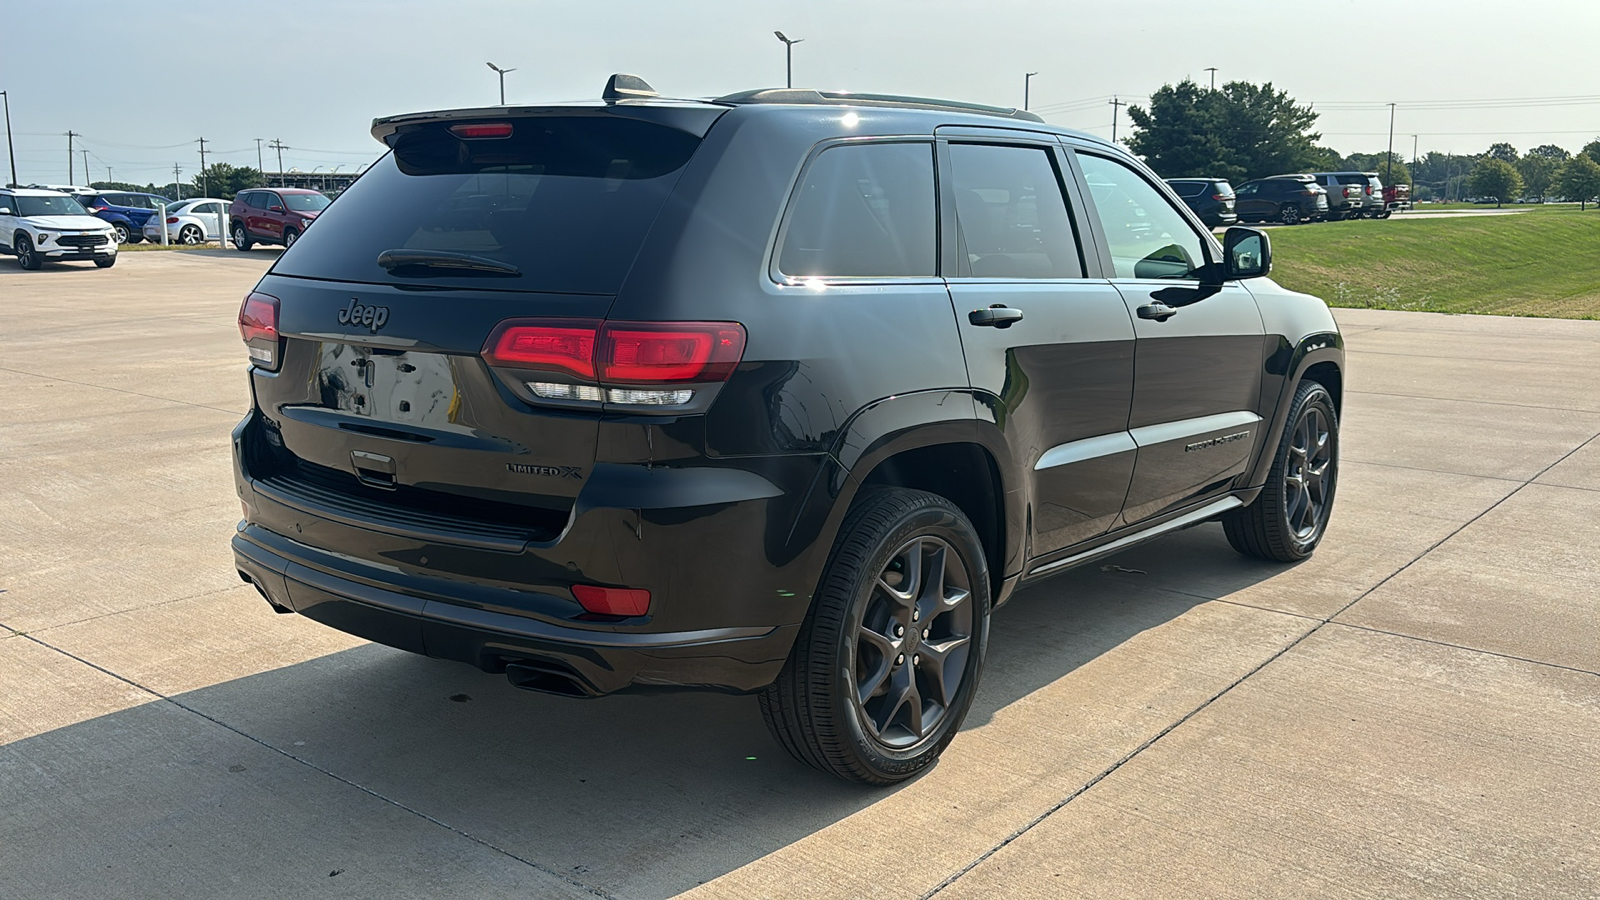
(1289, 214)
(861, 629)
(123, 234)
(135, 237)
(191, 234)
(27, 257)
(289, 237)
(1386, 214)
(106, 263)
(1289, 517)
(241, 238)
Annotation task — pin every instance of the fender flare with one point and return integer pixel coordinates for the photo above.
(1285, 369)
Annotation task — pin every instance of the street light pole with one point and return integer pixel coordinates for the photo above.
(1388, 175)
(10, 151)
(502, 80)
(260, 167)
(1025, 79)
(788, 58)
(86, 178)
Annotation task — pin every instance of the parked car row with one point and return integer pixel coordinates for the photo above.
(1292, 199)
(43, 223)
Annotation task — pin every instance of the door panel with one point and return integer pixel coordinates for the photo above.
(1198, 351)
(1059, 380)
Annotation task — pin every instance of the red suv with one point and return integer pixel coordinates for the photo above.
(276, 216)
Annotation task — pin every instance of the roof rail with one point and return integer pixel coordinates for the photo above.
(846, 98)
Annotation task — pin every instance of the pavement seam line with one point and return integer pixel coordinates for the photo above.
(1411, 637)
(590, 889)
(117, 390)
(1571, 409)
(122, 612)
(1109, 770)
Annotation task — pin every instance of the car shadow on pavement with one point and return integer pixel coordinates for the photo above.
(637, 795)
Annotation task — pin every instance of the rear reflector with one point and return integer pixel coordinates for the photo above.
(482, 130)
(612, 601)
(258, 325)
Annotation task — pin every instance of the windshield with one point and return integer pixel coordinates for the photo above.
(567, 201)
(50, 206)
(306, 202)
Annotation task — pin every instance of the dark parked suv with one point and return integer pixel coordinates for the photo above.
(1211, 199)
(1289, 199)
(778, 393)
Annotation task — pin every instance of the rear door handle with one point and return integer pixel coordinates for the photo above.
(997, 315)
(1157, 310)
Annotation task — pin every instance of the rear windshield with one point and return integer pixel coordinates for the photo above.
(1351, 179)
(567, 200)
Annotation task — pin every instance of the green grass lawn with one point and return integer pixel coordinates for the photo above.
(1543, 262)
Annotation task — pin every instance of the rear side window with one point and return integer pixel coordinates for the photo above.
(1011, 214)
(864, 211)
(1223, 188)
(1187, 188)
(255, 200)
(567, 200)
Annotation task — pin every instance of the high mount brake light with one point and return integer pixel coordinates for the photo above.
(481, 131)
(258, 325)
(620, 354)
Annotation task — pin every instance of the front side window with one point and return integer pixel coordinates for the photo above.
(864, 211)
(1249, 189)
(1147, 236)
(1011, 214)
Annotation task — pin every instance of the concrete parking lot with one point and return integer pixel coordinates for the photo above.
(1415, 712)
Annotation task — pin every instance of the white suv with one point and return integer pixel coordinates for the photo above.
(37, 225)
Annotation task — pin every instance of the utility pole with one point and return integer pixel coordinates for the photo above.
(279, 146)
(1388, 176)
(1116, 109)
(788, 58)
(1213, 71)
(86, 179)
(177, 185)
(1413, 154)
(70, 136)
(10, 151)
(204, 188)
(1025, 79)
(108, 174)
(259, 167)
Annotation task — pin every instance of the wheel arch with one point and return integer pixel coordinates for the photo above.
(1318, 357)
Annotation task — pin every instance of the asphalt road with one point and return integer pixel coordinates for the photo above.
(1415, 712)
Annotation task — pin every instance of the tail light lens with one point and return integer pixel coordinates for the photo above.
(624, 358)
(172, 220)
(1369, 190)
(258, 325)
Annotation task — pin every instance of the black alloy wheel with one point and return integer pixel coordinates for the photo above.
(27, 257)
(889, 656)
(1289, 517)
(1289, 215)
(190, 234)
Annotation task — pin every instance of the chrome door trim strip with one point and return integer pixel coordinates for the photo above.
(1166, 432)
(1084, 449)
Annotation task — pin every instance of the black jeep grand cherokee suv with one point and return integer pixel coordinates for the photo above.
(781, 392)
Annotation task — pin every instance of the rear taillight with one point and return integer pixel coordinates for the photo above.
(98, 208)
(621, 360)
(612, 601)
(172, 220)
(1369, 190)
(258, 325)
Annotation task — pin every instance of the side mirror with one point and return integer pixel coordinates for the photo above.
(276, 209)
(1246, 253)
(5, 210)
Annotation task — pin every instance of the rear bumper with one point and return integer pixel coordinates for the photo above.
(537, 654)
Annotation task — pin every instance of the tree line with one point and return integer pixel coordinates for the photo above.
(1244, 131)
(220, 180)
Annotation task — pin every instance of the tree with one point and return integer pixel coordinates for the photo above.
(1495, 178)
(1579, 178)
(1178, 135)
(1538, 172)
(1241, 131)
(1503, 152)
(223, 181)
(1550, 151)
(1592, 150)
(1382, 163)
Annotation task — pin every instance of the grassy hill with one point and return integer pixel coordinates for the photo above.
(1543, 262)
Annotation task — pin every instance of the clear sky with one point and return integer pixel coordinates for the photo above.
(141, 81)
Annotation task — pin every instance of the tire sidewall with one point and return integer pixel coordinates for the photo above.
(891, 763)
(27, 257)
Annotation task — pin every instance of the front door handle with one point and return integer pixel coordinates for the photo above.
(997, 315)
(1157, 310)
